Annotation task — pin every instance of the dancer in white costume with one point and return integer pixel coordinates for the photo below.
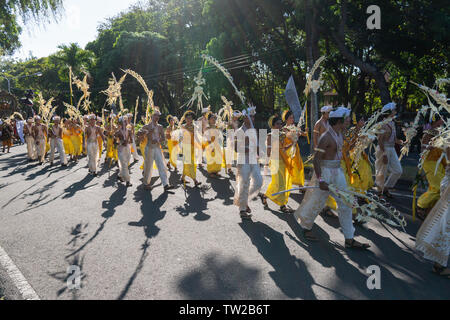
(327, 168)
(91, 133)
(56, 142)
(19, 126)
(39, 135)
(386, 157)
(29, 139)
(123, 135)
(153, 152)
(433, 237)
(248, 170)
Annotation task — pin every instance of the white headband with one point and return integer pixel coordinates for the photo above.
(326, 109)
(340, 112)
(388, 107)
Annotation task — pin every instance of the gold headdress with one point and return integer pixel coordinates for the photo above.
(285, 115)
(270, 122)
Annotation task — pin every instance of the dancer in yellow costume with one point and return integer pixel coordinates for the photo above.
(434, 175)
(298, 172)
(67, 141)
(172, 144)
(213, 147)
(77, 139)
(281, 167)
(111, 149)
(320, 128)
(189, 143)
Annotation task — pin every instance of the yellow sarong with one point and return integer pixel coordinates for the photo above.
(173, 152)
(282, 172)
(214, 157)
(429, 198)
(111, 150)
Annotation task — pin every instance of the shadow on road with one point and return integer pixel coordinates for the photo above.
(291, 274)
(151, 214)
(221, 279)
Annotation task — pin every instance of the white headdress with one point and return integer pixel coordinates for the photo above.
(37, 118)
(340, 112)
(251, 111)
(388, 107)
(205, 110)
(56, 118)
(237, 114)
(156, 111)
(92, 116)
(326, 109)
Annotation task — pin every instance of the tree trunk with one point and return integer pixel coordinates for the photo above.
(339, 39)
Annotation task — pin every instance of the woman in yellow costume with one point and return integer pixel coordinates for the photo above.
(172, 144)
(298, 174)
(67, 138)
(434, 175)
(359, 176)
(213, 147)
(281, 168)
(77, 139)
(111, 148)
(189, 142)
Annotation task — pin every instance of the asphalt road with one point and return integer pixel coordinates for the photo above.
(189, 244)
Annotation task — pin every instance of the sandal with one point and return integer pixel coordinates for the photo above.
(245, 215)
(263, 198)
(329, 213)
(286, 209)
(421, 214)
(308, 234)
(441, 271)
(356, 245)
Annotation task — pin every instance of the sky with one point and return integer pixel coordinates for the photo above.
(78, 24)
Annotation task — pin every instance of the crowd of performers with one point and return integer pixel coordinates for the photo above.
(334, 136)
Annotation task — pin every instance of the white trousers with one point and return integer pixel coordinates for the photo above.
(393, 167)
(93, 155)
(154, 153)
(244, 191)
(31, 147)
(315, 199)
(134, 153)
(124, 155)
(57, 143)
(40, 149)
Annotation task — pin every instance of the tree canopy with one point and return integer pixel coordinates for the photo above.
(261, 42)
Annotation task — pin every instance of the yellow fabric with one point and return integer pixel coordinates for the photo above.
(67, 142)
(172, 145)
(190, 168)
(331, 203)
(77, 141)
(100, 146)
(429, 198)
(281, 170)
(111, 150)
(213, 165)
(296, 162)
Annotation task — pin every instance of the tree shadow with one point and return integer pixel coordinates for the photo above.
(151, 214)
(220, 279)
(116, 199)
